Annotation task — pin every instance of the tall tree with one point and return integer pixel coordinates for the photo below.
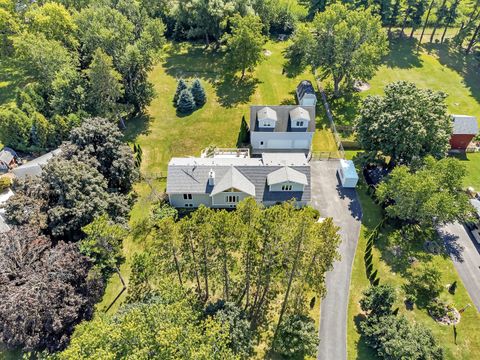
(413, 122)
(441, 13)
(432, 2)
(349, 44)
(450, 18)
(245, 44)
(15, 128)
(104, 85)
(45, 290)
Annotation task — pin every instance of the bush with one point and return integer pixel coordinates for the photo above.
(378, 301)
(198, 93)
(297, 337)
(425, 282)
(186, 102)
(453, 288)
(5, 183)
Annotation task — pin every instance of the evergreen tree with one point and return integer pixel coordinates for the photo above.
(180, 87)
(198, 93)
(186, 102)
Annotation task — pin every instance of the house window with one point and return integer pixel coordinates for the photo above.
(231, 199)
(187, 196)
(300, 123)
(286, 187)
(188, 205)
(261, 143)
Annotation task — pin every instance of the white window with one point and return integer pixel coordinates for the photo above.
(187, 196)
(300, 123)
(286, 187)
(231, 199)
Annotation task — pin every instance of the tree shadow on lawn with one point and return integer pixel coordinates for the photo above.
(466, 65)
(233, 90)
(345, 108)
(135, 126)
(403, 54)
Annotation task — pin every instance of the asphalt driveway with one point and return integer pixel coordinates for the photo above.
(342, 204)
(465, 254)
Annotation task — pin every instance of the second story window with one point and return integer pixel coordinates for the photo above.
(286, 187)
(300, 123)
(187, 196)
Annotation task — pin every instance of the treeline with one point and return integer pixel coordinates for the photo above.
(81, 59)
(66, 238)
(259, 267)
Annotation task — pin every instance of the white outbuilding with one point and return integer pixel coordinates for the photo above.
(306, 95)
(348, 174)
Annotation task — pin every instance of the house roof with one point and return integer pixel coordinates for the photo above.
(286, 174)
(266, 113)
(190, 175)
(305, 87)
(286, 159)
(348, 168)
(34, 167)
(299, 113)
(233, 179)
(465, 125)
(283, 119)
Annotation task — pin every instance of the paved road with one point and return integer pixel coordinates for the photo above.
(343, 205)
(465, 254)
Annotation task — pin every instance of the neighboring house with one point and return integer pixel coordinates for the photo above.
(224, 182)
(306, 95)
(287, 128)
(7, 159)
(465, 128)
(34, 167)
(348, 174)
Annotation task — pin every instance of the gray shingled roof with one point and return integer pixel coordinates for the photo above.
(6, 157)
(283, 119)
(193, 179)
(465, 125)
(286, 174)
(267, 113)
(233, 179)
(34, 167)
(305, 87)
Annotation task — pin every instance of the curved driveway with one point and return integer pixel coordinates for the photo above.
(342, 204)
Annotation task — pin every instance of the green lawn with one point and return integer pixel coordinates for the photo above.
(391, 271)
(163, 134)
(472, 161)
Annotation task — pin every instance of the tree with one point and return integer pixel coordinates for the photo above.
(198, 93)
(299, 51)
(378, 300)
(181, 85)
(45, 290)
(104, 85)
(15, 128)
(41, 58)
(441, 14)
(54, 21)
(430, 196)
(393, 337)
(103, 244)
(245, 44)
(68, 92)
(348, 44)
(406, 124)
(9, 25)
(450, 18)
(417, 15)
(297, 338)
(425, 282)
(100, 139)
(186, 102)
(168, 326)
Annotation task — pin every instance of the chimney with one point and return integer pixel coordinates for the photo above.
(211, 178)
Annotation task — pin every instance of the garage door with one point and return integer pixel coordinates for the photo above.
(279, 144)
(300, 144)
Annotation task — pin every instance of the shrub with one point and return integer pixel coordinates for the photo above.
(186, 102)
(425, 282)
(5, 183)
(453, 288)
(297, 337)
(378, 300)
(198, 93)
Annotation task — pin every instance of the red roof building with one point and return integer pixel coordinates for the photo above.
(465, 128)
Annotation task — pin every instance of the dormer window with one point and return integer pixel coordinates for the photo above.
(267, 117)
(299, 117)
(299, 123)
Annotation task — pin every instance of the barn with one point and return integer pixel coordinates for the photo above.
(465, 128)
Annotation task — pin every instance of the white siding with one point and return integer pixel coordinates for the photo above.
(292, 140)
(309, 100)
(177, 200)
(220, 200)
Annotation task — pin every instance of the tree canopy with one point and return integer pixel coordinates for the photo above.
(407, 123)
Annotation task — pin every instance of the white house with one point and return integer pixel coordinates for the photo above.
(306, 95)
(221, 182)
(348, 174)
(287, 128)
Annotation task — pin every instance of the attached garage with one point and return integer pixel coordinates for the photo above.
(279, 144)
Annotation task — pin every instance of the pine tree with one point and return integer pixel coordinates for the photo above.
(186, 102)
(180, 87)
(198, 93)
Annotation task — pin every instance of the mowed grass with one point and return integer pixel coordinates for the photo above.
(389, 272)
(163, 133)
